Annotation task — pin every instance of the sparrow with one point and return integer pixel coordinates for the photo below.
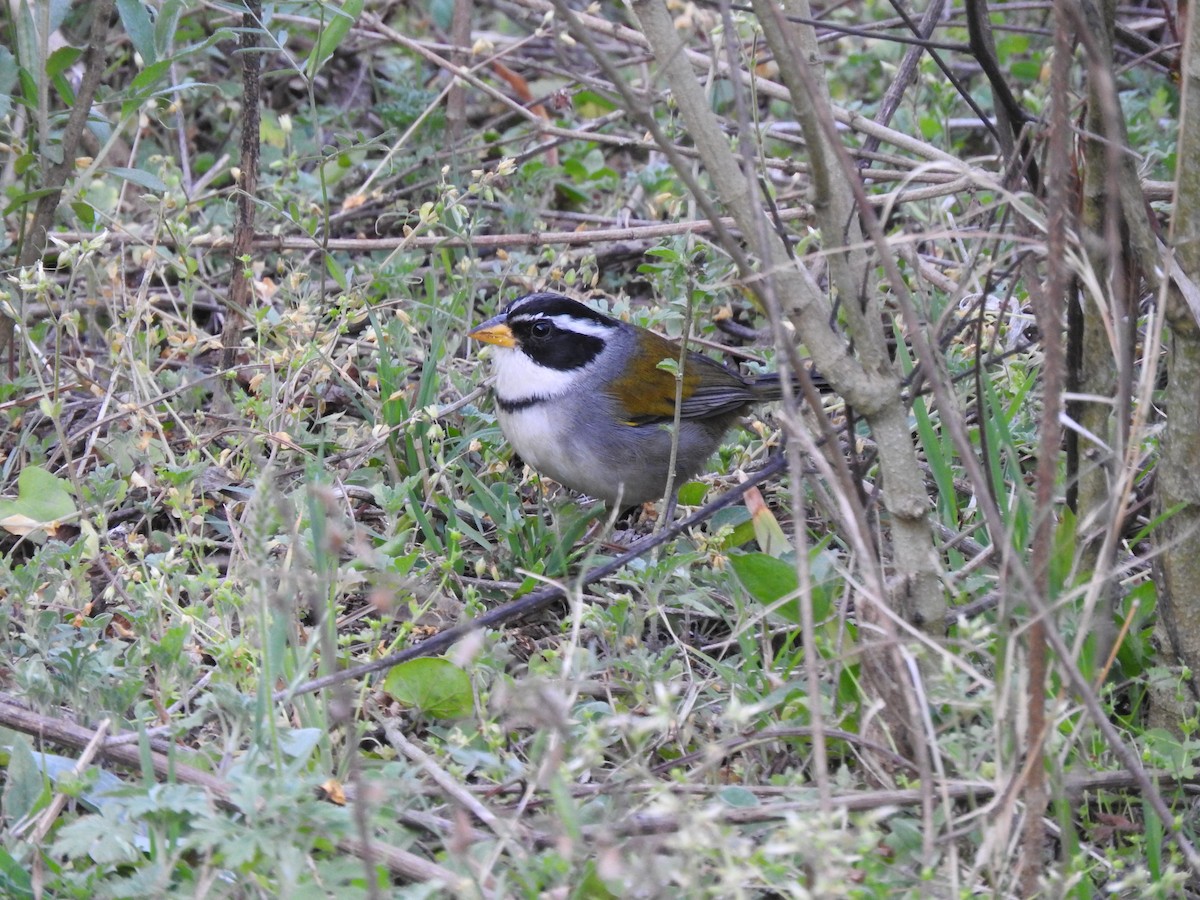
(585, 399)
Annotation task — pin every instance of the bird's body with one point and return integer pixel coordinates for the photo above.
(584, 398)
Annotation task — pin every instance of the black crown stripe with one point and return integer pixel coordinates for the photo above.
(549, 304)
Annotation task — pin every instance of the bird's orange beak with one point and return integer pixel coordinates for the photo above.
(494, 331)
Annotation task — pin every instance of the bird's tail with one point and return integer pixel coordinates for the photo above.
(770, 386)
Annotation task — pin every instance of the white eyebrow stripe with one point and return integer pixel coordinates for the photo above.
(567, 322)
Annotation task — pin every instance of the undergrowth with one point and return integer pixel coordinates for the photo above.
(188, 545)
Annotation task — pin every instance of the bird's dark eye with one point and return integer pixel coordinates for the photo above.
(541, 330)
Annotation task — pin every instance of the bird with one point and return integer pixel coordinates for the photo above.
(583, 398)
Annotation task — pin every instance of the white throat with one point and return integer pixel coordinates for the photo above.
(519, 378)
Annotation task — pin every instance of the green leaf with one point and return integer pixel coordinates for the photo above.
(591, 105)
(742, 534)
(166, 24)
(66, 93)
(146, 78)
(764, 577)
(574, 167)
(29, 89)
(140, 177)
(24, 786)
(61, 772)
(15, 880)
(930, 125)
(337, 273)
(299, 743)
(442, 12)
(436, 687)
(591, 886)
(61, 60)
(102, 839)
(738, 797)
(692, 493)
(27, 44)
(84, 212)
(136, 19)
(27, 197)
(42, 502)
(1011, 44)
(8, 79)
(334, 33)
(570, 195)
(769, 580)
(1027, 71)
